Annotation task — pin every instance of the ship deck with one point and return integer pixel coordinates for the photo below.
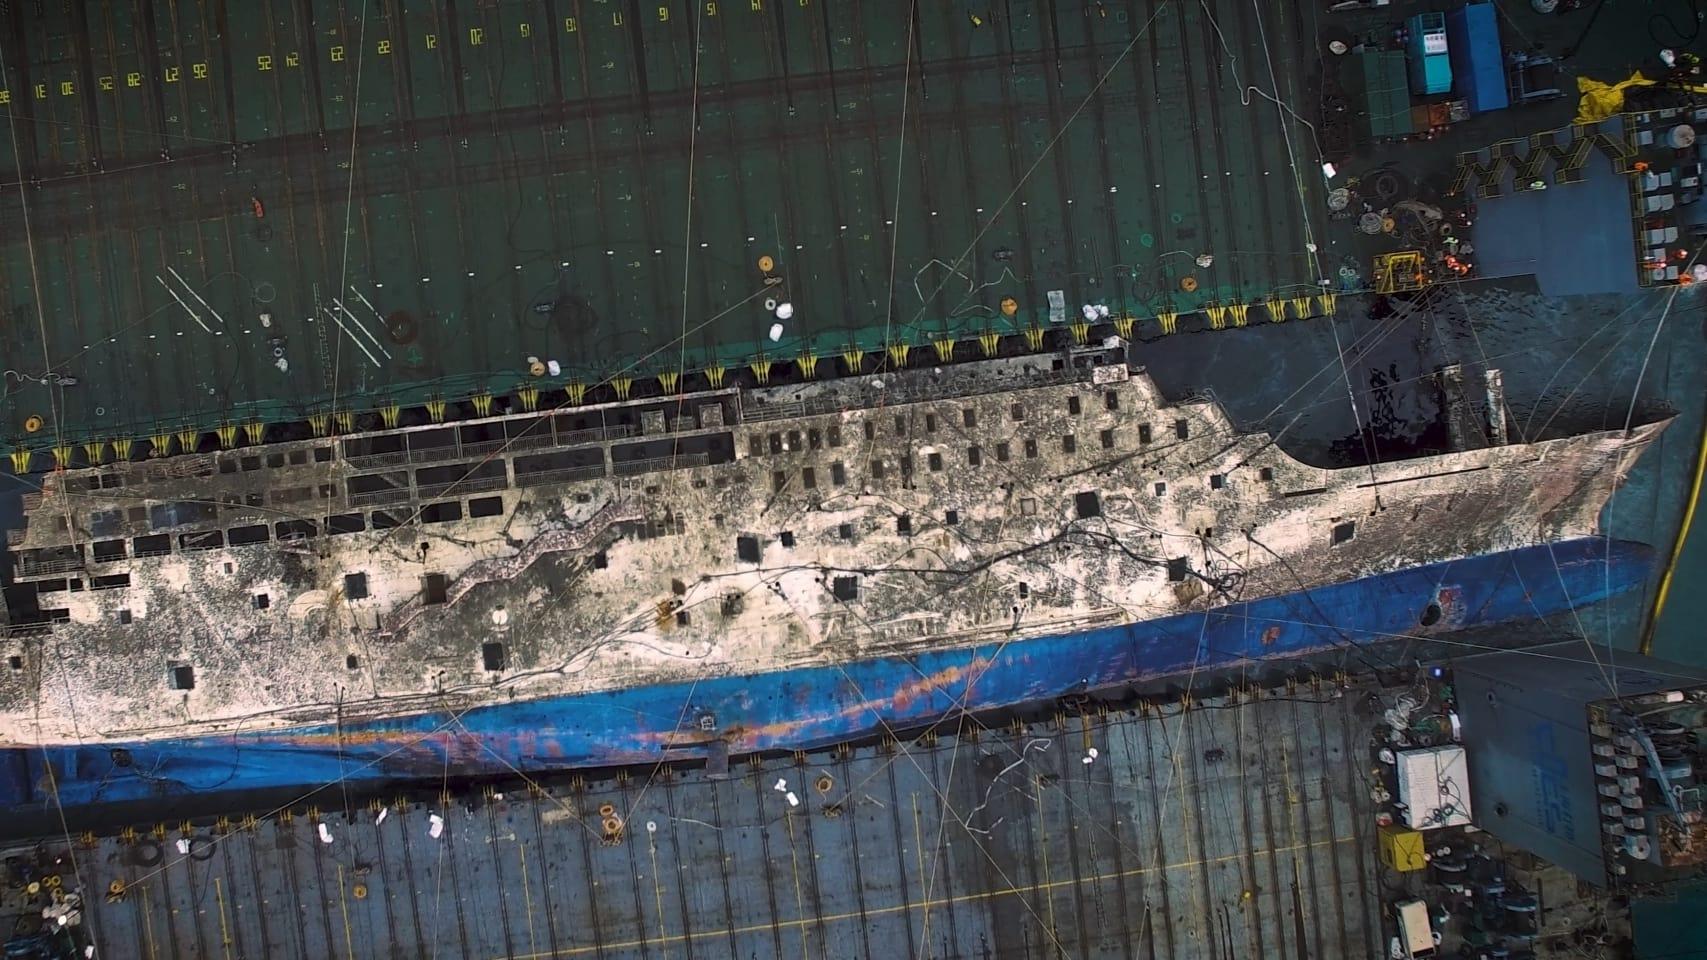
(1217, 832)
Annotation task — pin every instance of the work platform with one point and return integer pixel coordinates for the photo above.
(1226, 830)
(256, 212)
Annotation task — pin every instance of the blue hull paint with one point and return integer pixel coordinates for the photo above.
(813, 706)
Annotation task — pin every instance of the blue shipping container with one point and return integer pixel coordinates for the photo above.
(1478, 63)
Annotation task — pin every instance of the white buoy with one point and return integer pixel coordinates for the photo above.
(784, 310)
(776, 332)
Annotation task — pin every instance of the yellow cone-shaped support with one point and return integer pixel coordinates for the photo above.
(436, 410)
(577, 392)
(1236, 313)
(483, 404)
(808, 364)
(944, 349)
(346, 421)
(622, 385)
(761, 369)
(854, 358)
(21, 462)
(391, 415)
(1081, 331)
(989, 341)
(1169, 321)
(668, 380)
(189, 440)
(160, 445)
(254, 431)
(1276, 308)
(1301, 307)
(62, 456)
(714, 376)
(1326, 303)
(96, 450)
(227, 435)
(898, 352)
(1123, 326)
(529, 396)
(1034, 338)
(1217, 317)
(122, 448)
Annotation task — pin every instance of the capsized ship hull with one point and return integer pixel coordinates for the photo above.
(811, 706)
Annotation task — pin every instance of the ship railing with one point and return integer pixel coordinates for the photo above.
(28, 629)
(629, 468)
(28, 567)
(14, 536)
(472, 485)
(531, 440)
(31, 502)
(373, 498)
(543, 478)
(908, 394)
(368, 461)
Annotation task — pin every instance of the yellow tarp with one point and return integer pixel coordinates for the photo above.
(1601, 100)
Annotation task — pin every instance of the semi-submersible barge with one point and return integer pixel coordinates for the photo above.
(741, 570)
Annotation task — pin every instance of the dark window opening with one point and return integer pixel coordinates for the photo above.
(1144, 435)
(1107, 438)
(952, 518)
(1017, 411)
(492, 656)
(1178, 567)
(779, 481)
(242, 536)
(808, 478)
(838, 474)
(124, 616)
(1069, 443)
(275, 459)
(930, 423)
(786, 538)
(906, 465)
(601, 560)
(1161, 488)
(298, 457)
(1111, 400)
(794, 440)
(1088, 504)
(904, 525)
(1030, 448)
(351, 662)
(835, 435)
(969, 417)
(262, 601)
(747, 549)
(1024, 590)
(845, 589)
(1073, 405)
(755, 446)
(205, 540)
(15, 662)
(251, 463)
(682, 618)
(114, 582)
(814, 439)
(1217, 481)
(1431, 615)
(900, 425)
(181, 676)
(387, 519)
(870, 430)
(1182, 429)
(486, 507)
(355, 586)
(877, 469)
(322, 454)
(435, 589)
(845, 531)
(1266, 473)
(345, 523)
(974, 456)
(107, 551)
(227, 466)
(1343, 532)
(935, 462)
(445, 511)
(1002, 452)
(776, 442)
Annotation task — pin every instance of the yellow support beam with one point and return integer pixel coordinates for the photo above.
(122, 448)
(346, 421)
(898, 352)
(254, 431)
(623, 386)
(21, 462)
(529, 396)
(714, 375)
(1123, 325)
(1236, 312)
(391, 415)
(483, 404)
(761, 369)
(944, 349)
(227, 435)
(1217, 316)
(854, 357)
(1301, 307)
(808, 364)
(62, 456)
(1034, 338)
(436, 410)
(189, 440)
(1169, 321)
(989, 340)
(1276, 308)
(160, 444)
(577, 392)
(669, 380)
(1081, 331)
(1326, 303)
(96, 450)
